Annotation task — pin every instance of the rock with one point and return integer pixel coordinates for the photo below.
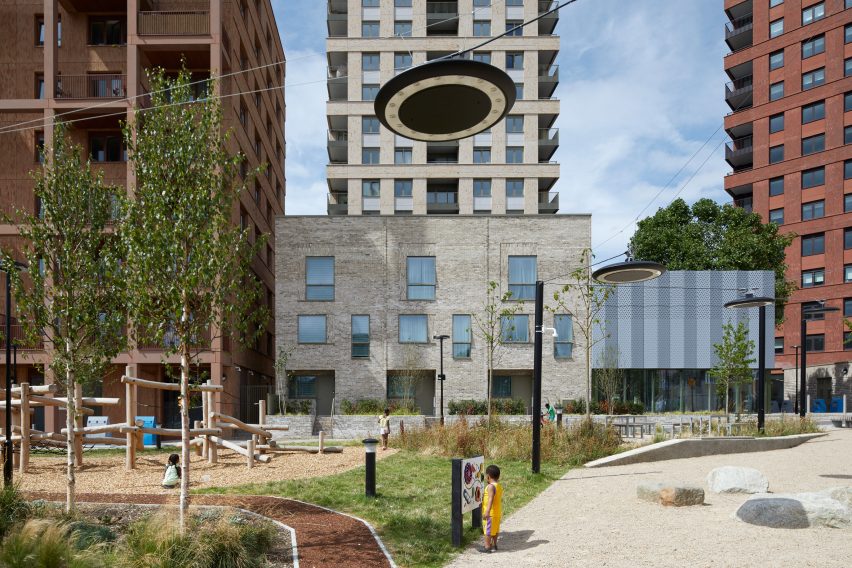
(829, 508)
(670, 494)
(731, 479)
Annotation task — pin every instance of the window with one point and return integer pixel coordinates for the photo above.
(813, 177)
(401, 387)
(39, 146)
(369, 155)
(813, 13)
(816, 277)
(847, 239)
(482, 56)
(402, 29)
(514, 155)
(319, 278)
(847, 340)
(370, 29)
(563, 344)
(39, 30)
(481, 3)
(107, 148)
(807, 306)
(813, 47)
(369, 125)
(847, 34)
(512, 26)
(514, 188)
(776, 186)
(369, 92)
(523, 272)
(776, 27)
(847, 169)
(847, 307)
(813, 210)
(402, 188)
(370, 188)
(776, 216)
(39, 86)
(514, 61)
(847, 203)
(813, 78)
(813, 144)
(813, 112)
(847, 273)
(776, 60)
(773, 3)
(776, 91)
(847, 67)
(776, 123)
(815, 342)
(302, 387)
(402, 3)
(501, 387)
(481, 28)
(847, 102)
(461, 336)
(370, 3)
(482, 188)
(779, 345)
(813, 244)
(312, 329)
(776, 154)
(420, 275)
(515, 329)
(401, 61)
(519, 91)
(482, 155)
(402, 156)
(515, 124)
(360, 337)
(370, 62)
(107, 31)
(413, 329)
(847, 135)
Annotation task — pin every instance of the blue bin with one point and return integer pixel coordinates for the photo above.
(836, 404)
(818, 405)
(150, 422)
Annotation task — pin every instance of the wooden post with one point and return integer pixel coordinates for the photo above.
(198, 450)
(808, 409)
(213, 457)
(321, 442)
(261, 419)
(205, 409)
(25, 427)
(130, 418)
(250, 447)
(78, 421)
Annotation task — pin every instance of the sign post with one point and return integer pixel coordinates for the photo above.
(467, 493)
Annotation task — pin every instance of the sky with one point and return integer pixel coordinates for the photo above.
(641, 91)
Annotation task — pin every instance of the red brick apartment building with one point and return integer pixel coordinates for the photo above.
(66, 56)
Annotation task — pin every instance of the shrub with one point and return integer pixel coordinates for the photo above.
(469, 407)
(298, 406)
(14, 508)
(42, 543)
(578, 406)
(375, 406)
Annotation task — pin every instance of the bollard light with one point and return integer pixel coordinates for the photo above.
(370, 447)
(558, 408)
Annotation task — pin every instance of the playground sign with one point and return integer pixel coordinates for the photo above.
(467, 493)
(97, 421)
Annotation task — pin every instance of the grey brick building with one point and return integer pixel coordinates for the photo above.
(359, 300)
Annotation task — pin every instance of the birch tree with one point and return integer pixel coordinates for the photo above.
(72, 297)
(188, 265)
(733, 360)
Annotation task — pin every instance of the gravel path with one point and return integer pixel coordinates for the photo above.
(107, 474)
(591, 517)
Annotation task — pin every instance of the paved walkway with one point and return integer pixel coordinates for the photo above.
(591, 517)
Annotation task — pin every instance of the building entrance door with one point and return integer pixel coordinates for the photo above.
(824, 392)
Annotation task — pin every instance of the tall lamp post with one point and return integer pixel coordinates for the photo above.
(628, 272)
(8, 448)
(803, 389)
(796, 401)
(441, 376)
(752, 301)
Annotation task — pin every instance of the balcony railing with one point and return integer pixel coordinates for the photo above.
(738, 93)
(341, 136)
(337, 72)
(338, 203)
(547, 5)
(738, 26)
(18, 337)
(739, 152)
(94, 86)
(174, 23)
(442, 8)
(548, 135)
(170, 340)
(548, 72)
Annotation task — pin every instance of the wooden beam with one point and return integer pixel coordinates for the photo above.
(39, 389)
(25, 426)
(239, 449)
(94, 401)
(305, 449)
(130, 418)
(241, 425)
(177, 431)
(103, 440)
(168, 386)
(267, 427)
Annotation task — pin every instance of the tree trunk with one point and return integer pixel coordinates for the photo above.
(70, 424)
(490, 379)
(588, 371)
(184, 425)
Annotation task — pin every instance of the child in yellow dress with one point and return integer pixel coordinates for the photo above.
(492, 508)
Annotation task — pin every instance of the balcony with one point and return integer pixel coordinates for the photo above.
(174, 23)
(547, 25)
(94, 86)
(548, 201)
(170, 340)
(548, 79)
(744, 203)
(738, 93)
(442, 202)
(738, 33)
(338, 146)
(739, 153)
(336, 18)
(338, 83)
(18, 337)
(442, 18)
(338, 203)
(548, 142)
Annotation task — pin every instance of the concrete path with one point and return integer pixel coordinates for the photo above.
(591, 517)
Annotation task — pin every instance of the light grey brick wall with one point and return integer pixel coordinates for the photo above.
(370, 278)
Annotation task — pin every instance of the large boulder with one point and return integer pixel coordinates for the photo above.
(730, 479)
(670, 494)
(831, 508)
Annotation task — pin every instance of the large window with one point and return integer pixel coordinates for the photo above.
(370, 188)
(515, 155)
(847, 273)
(847, 135)
(847, 340)
(482, 28)
(847, 34)
(847, 203)
(813, 13)
(811, 278)
(462, 335)
(360, 337)
(401, 387)
(319, 278)
(847, 67)
(813, 177)
(776, 186)
(515, 329)
(106, 30)
(482, 155)
(501, 386)
(776, 91)
(370, 62)
(369, 92)
(779, 345)
(402, 29)
(369, 29)
(107, 148)
(514, 188)
(523, 272)
(776, 216)
(813, 210)
(776, 123)
(515, 124)
(514, 61)
(776, 154)
(482, 56)
(482, 188)
(776, 27)
(847, 102)
(813, 144)
(369, 156)
(847, 169)
(420, 272)
(776, 60)
(813, 78)
(413, 329)
(847, 239)
(813, 112)
(847, 307)
(402, 155)
(369, 125)
(302, 387)
(312, 329)
(813, 244)
(402, 188)
(813, 47)
(401, 61)
(815, 342)
(563, 344)
(39, 30)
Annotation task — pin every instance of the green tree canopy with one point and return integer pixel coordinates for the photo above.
(710, 236)
(733, 360)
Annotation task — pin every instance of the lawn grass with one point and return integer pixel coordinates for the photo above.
(412, 509)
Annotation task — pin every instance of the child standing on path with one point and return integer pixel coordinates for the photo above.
(492, 508)
(384, 428)
(171, 478)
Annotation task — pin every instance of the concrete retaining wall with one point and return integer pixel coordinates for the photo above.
(301, 426)
(697, 447)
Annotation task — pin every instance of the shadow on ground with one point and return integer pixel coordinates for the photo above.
(518, 540)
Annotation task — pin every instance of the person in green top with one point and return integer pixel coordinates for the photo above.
(384, 428)
(171, 476)
(549, 414)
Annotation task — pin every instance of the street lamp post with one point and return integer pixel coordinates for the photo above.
(8, 448)
(441, 376)
(803, 397)
(796, 401)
